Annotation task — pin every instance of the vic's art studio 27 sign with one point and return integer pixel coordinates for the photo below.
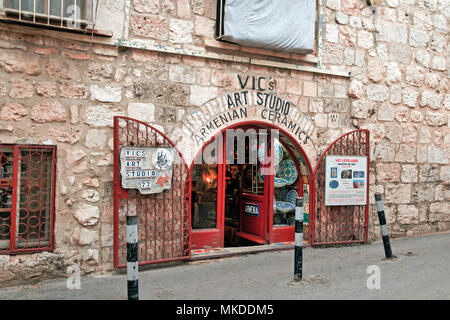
(256, 101)
(147, 169)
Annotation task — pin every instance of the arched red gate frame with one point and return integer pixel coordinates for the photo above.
(339, 224)
(164, 218)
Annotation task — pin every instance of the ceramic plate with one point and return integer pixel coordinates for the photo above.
(287, 171)
(278, 182)
(278, 152)
(284, 206)
(292, 197)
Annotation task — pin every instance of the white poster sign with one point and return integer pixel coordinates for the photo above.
(147, 169)
(346, 180)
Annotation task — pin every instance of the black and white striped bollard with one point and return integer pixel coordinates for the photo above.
(383, 226)
(132, 259)
(298, 260)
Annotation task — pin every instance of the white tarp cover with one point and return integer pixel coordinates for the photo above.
(281, 25)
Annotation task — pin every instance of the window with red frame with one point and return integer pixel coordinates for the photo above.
(27, 192)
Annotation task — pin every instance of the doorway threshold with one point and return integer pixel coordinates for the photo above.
(216, 253)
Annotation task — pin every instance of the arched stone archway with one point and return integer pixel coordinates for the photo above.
(234, 108)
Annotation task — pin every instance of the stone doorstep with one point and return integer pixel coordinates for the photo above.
(216, 253)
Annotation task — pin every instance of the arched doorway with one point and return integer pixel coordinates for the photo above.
(244, 193)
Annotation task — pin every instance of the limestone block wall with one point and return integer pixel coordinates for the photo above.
(398, 53)
(64, 92)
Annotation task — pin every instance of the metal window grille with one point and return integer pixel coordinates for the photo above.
(27, 185)
(68, 14)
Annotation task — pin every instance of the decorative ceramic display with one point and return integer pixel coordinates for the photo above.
(284, 206)
(292, 197)
(287, 171)
(279, 182)
(162, 158)
(278, 155)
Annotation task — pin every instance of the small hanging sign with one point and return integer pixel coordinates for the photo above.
(147, 169)
(251, 209)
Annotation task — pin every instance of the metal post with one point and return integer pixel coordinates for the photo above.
(384, 230)
(132, 258)
(298, 261)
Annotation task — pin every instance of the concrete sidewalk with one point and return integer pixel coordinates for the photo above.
(420, 272)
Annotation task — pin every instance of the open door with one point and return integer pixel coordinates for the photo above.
(254, 204)
(255, 196)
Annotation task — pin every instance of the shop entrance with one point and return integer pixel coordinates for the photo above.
(246, 191)
(244, 186)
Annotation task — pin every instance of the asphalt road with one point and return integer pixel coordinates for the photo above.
(421, 271)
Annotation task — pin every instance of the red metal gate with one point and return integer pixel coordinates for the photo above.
(339, 224)
(163, 218)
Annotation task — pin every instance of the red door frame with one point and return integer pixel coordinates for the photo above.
(209, 237)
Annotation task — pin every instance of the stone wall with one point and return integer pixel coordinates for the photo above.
(398, 57)
(66, 92)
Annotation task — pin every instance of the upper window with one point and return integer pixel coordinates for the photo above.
(279, 25)
(70, 14)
